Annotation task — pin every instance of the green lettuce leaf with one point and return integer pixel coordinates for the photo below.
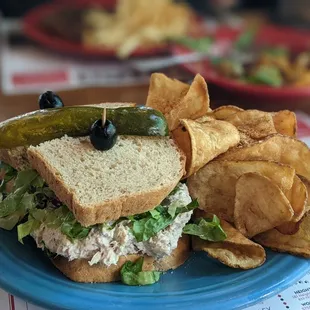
(148, 224)
(190, 207)
(172, 209)
(206, 229)
(11, 203)
(61, 218)
(10, 221)
(31, 196)
(27, 228)
(132, 274)
(154, 213)
(268, 75)
(25, 178)
(14, 200)
(9, 174)
(75, 230)
(276, 51)
(198, 44)
(71, 227)
(229, 67)
(245, 39)
(29, 192)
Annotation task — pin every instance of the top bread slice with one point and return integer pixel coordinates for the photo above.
(17, 157)
(131, 178)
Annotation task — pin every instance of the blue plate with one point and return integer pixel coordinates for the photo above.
(201, 283)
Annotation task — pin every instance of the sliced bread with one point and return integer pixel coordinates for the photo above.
(132, 177)
(79, 270)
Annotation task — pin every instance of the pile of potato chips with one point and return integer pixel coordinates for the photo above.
(245, 166)
(136, 23)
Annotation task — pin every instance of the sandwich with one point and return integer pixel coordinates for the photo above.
(101, 215)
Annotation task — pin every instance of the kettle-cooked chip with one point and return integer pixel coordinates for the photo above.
(177, 100)
(289, 228)
(203, 141)
(221, 113)
(282, 149)
(235, 251)
(298, 197)
(260, 205)
(306, 182)
(214, 184)
(297, 244)
(285, 122)
(256, 124)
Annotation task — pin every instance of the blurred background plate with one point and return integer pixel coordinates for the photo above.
(201, 283)
(58, 25)
(296, 40)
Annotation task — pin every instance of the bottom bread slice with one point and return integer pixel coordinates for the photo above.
(80, 271)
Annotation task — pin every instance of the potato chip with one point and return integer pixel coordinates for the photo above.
(206, 139)
(285, 122)
(289, 228)
(221, 113)
(256, 124)
(183, 139)
(165, 93)
(260, 205)
(214, 184)
(298, 197)
(236, 251)
(177, 100)
(283, 149)
(245, 139)
(307, 184)
(297, 244)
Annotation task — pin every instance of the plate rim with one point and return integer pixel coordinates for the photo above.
(195, 300)
(31, 30)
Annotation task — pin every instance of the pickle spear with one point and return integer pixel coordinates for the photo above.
(42, 125)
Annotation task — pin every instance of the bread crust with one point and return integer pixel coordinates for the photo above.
(126, 205)
(80, 271)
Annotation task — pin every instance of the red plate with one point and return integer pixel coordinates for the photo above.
(32, 29)
(296, 40)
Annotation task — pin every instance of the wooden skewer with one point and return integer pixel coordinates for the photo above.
(104, 116)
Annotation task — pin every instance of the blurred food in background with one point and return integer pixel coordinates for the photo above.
(129, 25)
(135, 23)
(251, 63)
(272, 66)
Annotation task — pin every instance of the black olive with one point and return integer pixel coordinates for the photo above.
(103, 137)
(49, 100)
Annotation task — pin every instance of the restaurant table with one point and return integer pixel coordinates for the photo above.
(12, 105)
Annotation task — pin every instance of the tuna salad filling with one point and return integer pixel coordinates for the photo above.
(131, 235)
